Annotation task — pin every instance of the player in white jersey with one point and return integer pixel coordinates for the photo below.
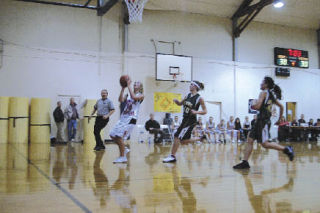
(198, 130)
(128, 118)
(231, 129)
(210, 129)
(175, 124)
(221, 131)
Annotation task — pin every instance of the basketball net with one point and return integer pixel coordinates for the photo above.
(135, 9)
(174, 76)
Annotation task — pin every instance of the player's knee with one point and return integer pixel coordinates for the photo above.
(265, 145)
(250, 141)
(183, 142)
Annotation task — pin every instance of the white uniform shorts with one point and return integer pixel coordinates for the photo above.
(229, 131)
(122, 129)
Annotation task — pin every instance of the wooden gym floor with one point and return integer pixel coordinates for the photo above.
(73, 178)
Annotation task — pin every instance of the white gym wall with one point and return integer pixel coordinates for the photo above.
(55, 51)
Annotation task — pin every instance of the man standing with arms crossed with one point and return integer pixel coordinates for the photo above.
(105, 109)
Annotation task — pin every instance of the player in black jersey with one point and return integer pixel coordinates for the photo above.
(191, 104)
(269, 95)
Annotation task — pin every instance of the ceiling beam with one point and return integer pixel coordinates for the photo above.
(249, 12)
(102, 9)
(88, 2)
(86, 6)
(103, 6)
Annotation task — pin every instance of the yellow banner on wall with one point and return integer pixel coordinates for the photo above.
(163, 102)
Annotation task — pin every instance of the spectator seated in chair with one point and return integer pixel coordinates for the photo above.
(168, 120)
(310, 123)
(153, 127)
(283, 130)
(301, 120)
(237, 126)
(295, 134)
(175, 124)
(210, 130)
(199, 130)
(246, 127)
(294, 122)
(231, 129)
(221, 130)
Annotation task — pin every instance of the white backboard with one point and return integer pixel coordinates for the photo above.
(167, 65)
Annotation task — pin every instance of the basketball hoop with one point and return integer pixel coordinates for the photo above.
(135, 10)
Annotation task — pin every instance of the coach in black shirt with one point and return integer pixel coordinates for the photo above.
(153, 127)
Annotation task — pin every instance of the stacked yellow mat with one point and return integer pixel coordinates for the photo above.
(88, 143)
(18, 120)
(88, 126)
(4, 117)
(40, 120)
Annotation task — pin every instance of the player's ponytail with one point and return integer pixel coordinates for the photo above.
(277, 91)
(273, 87)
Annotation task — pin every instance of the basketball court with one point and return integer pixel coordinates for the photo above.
(56, 50)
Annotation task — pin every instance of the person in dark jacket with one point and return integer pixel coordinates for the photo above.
(153, 127)
(168, 120)
(59, 119)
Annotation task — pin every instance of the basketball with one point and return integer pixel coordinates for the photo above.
(123, 80)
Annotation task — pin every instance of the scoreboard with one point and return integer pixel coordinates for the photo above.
(291, 57)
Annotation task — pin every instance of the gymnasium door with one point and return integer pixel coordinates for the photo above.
(291, 110)
(214, 110)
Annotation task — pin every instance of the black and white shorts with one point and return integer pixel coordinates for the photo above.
(260, 131)
(185, 129)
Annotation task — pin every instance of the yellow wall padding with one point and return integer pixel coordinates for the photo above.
(3, 157)
(4, 114)
(88, 127)
(18, 120)
(40, 120)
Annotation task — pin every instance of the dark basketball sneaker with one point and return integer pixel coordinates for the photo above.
(243, 165)
(288, 150)
(98, 148)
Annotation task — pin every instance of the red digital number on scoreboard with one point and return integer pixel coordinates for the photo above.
(295, 53)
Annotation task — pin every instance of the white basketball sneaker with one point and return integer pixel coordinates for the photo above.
(121, 160)
(169, 159)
